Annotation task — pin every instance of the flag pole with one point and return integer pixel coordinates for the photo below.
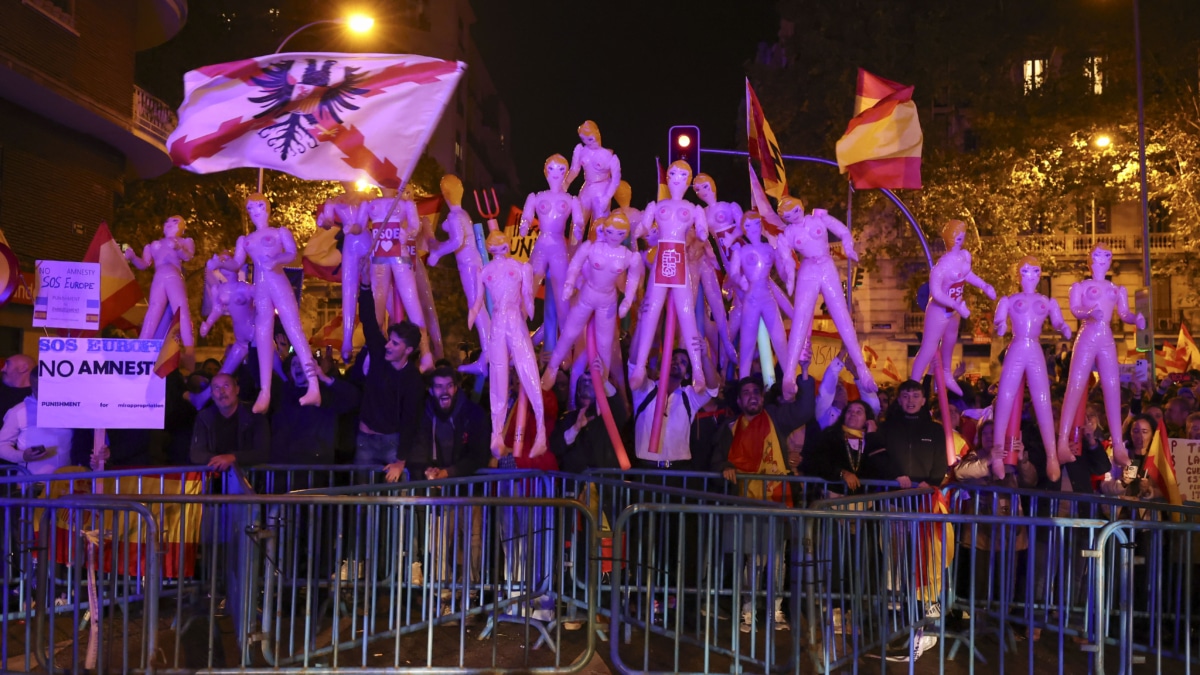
(849, 262)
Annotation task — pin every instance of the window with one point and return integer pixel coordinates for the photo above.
(1093, 72)
(1034, 72)
(1094, 213)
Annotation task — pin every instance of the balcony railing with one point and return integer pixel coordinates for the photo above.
(1081, 244)
(153, 116)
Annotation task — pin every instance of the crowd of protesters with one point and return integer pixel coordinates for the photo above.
(381, 411)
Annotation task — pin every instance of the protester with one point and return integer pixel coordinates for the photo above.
(23, 442)
(1132, 480)
(683, 403)
(753, 443)
(393, 392)
(912, 445)
(308, 434)
(454, 437)
(14, 380)
(228, 432)
(580, 440)
(840, 454)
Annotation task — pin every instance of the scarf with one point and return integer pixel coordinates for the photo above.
(756, 449)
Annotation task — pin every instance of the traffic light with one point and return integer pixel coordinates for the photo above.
(684, 143)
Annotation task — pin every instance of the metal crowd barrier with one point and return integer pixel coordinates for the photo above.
(76, 576)
(687, 571)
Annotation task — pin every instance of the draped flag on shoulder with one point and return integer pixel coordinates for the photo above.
(317, 116)
(882, 144)
(119, 290)
(763, 147)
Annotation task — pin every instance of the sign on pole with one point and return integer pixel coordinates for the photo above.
(67, 295)
(88, 383)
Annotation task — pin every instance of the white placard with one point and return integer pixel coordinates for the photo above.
(67, 295)
(90, 383)
(1187, 467)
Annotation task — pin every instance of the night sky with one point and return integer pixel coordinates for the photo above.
(636, 68)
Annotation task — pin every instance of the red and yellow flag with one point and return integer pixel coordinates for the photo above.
(663, 193)
(171, 351)
(1186, 349)
(119, 290)
(773, 223)
(882, 144)
(1160, 467)
(763, 147)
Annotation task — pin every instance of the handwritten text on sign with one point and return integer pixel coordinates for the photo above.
(98, 383)
(1187, 467)
(67, 295)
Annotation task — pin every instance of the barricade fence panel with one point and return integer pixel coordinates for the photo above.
(502, 571)
(75, 585)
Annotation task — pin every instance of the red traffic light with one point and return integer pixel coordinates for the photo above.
(683, 142)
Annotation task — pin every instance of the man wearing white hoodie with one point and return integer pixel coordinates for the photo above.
(23, 442)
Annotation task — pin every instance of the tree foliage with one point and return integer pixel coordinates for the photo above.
(1011, 164)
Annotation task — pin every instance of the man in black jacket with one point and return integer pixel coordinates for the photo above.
(909, 447)
(393, 392)
(227, 432)
(454, 437)
(580, 440)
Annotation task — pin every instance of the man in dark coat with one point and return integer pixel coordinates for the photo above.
(909, 447)
(455, 432)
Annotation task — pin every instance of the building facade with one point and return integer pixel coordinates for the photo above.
(73, 126)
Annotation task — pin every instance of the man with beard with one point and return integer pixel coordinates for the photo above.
(682, 405)
(453, 442)
(455, 433)
(754, 442)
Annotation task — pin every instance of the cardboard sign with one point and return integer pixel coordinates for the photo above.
(99, 383)
(67, 295)
(670, 265)
(521, 248)
(392, 243)
(1187, 467)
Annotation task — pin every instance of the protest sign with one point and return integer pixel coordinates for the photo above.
(88, 383)
(67, 295)
(1187, 467)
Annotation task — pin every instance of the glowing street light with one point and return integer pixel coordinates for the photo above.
(1103, 141)
(360, 23)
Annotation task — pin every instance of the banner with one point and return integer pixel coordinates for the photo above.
(67, 295)
(317, 116)
(99, 383)
(1187, 467)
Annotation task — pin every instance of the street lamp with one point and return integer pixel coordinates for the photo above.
(358, 23)
(1103, 141)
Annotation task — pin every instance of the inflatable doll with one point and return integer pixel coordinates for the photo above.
(1093, 302)
(947, 304)
(1027, 311)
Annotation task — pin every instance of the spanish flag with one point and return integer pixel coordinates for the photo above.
(882, 144)
(663, 192)
(1185, 349)
(124, 534)
(171, 352)
(773, 223)
(1160, 467)
(763, 147)
(119, 290)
